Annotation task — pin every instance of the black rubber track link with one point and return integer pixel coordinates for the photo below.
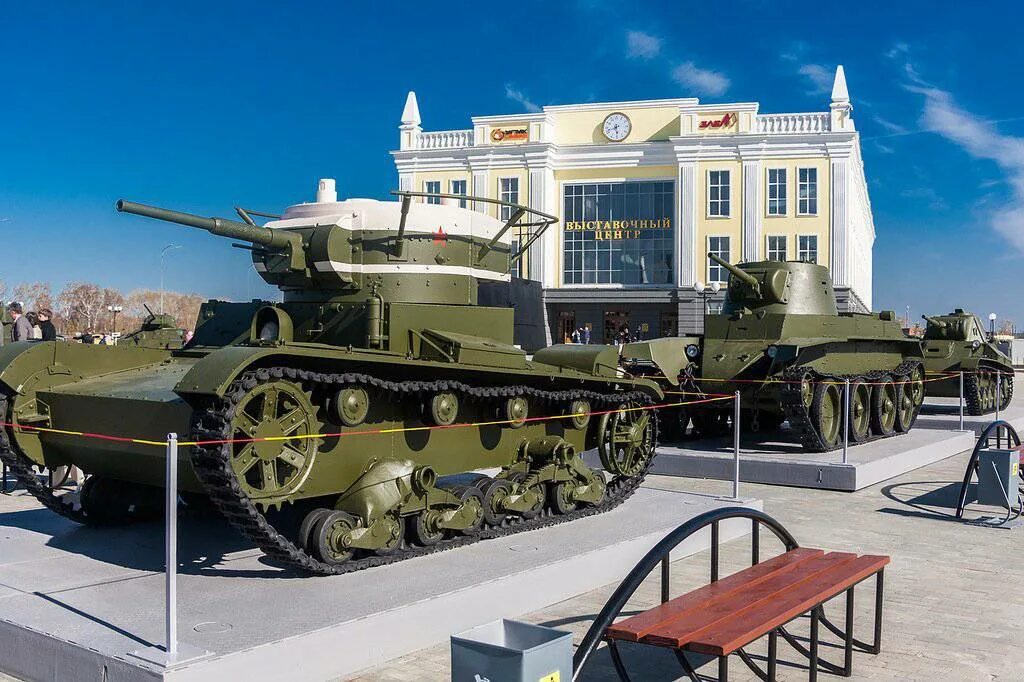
(212, 463)
(1006, 392)
(799, 417)
(972, 400)
(23, 468)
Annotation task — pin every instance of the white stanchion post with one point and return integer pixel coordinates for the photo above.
(999, 395)
(961, 401)
(736, 446)
(171, 548)
(846, 419)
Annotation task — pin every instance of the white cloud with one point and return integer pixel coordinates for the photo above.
(980, 139)
(640, 45)
(889, 126)
(820, 77)
(899, 50)
(928, 194)
(519, 96)
(700, 81)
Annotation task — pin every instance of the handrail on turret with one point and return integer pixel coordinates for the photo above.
(543, 222)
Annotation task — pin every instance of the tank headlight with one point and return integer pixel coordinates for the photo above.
(772, 351)
(975, 345)
(692, 351)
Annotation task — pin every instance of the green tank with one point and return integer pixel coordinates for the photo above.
(376, 413)
(781, 342)
(957, 342)
(158, 330)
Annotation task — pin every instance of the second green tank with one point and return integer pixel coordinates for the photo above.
(957, 342)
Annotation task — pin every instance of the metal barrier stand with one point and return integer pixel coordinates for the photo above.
(961, 400)
(736, 447)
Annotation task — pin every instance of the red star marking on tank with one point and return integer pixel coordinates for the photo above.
(440, 236)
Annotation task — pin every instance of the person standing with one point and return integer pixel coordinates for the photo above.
(21, 328)
(49, 332)
(586, 333)
(575, 335)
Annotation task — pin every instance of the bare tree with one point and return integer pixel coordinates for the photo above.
(81, 306)
(34, 295)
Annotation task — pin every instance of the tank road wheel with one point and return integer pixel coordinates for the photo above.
(444, 408)
(883, 407)
(860, 411)
(495, 491)
(424, 528)
(281, 417)
(1005, 389)
(916, 385)
(331, 537)
(906, 410)
(516, 411)
(307, 539)
(560, 497)
(826, 414)
(540, 489)
(580, 411)
(467, 493)
(626, 441)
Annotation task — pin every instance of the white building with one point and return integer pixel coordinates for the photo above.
(646, 189)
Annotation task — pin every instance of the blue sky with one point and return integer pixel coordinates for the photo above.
(204, 106)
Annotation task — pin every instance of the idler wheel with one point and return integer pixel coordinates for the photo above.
(916, 385)
(517, 410)
(807, 389)
(626, 440)
(827, 413)
(560, 497)
(331, 535)
(495, 490)
(883, 407)
(307, 539)
(860, 411)
(351, 405)
(444, 408)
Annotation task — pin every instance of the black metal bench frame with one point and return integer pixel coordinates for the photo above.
(660, 555)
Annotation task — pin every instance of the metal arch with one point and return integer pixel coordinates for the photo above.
(972, 464)
(613, 607)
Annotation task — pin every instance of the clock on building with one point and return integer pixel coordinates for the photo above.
(616, 127)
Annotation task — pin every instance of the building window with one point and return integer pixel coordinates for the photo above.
(808, 191)
(720, 247)
(718, 194)
(807, 248)
(777, 247)
(459, 187)
(776, 191)
(432, 187)
(508, 190)
(618, 233)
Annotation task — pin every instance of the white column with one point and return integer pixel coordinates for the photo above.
(540, 191)
(405, 182)
(480, 190)
(686, 234)
(840, 223)
(752, 223)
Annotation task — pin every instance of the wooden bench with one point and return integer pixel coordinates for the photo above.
(730, 613)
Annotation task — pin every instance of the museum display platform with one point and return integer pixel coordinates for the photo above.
(76, 603)
(780, 461)
(944, 413)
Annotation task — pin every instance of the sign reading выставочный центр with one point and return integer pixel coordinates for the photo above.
(617, 229)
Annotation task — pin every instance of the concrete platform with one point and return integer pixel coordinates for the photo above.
(76, 602)
(944, 413)
(780, 461)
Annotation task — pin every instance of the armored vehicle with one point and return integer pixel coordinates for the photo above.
(957, 342)
(158, 330)
(781, 342)
(364, 403)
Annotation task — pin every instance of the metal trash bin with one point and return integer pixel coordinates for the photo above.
(998, 476)
(510, 651)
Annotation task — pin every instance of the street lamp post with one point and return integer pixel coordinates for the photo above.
(115, 309)
(163, 252)
(992, 323)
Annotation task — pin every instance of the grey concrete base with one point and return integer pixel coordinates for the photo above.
(75, 602)
(780, 461)
(944, 413)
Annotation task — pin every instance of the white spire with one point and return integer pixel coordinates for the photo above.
(839, 91)
(411, 112)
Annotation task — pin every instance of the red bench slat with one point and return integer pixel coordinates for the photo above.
(757, 620)
(633, 628)
(685, 628)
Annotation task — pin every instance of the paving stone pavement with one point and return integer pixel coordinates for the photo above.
(953, 594)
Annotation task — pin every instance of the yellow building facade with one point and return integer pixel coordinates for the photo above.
(645, 190)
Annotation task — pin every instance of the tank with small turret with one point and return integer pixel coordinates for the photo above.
(377, 406)
(158, 330)
(957, 342)
(782, 343)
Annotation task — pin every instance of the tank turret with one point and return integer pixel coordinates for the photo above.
(788, 287)
(936, 322)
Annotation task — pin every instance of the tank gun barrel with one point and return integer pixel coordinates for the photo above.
(941, 324)
(264, 236)
(739, 274)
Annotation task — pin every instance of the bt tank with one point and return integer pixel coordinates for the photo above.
(158, 330)
(343, 427)
(957, 342)
(781, 342)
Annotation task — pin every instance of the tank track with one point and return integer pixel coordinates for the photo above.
(973, 405)
(799, 417)
(23, 468)
(212, 464)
